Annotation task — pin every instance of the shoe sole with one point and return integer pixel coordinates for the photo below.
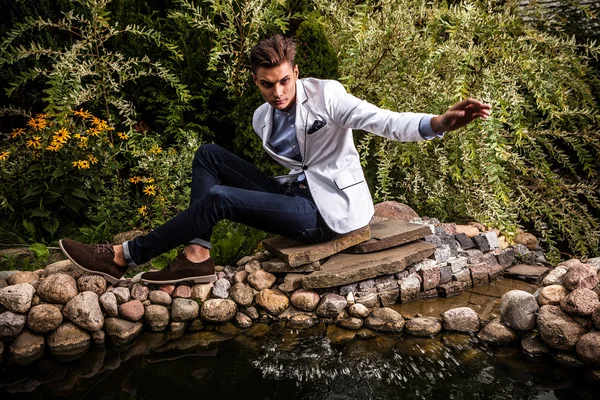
(196, 279)
(109, 278)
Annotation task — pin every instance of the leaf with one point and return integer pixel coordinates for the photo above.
(33, 191)
(40, 250)
(39, 212)
(51, 225)
(73, 204)
(79, 193)
(30, 227)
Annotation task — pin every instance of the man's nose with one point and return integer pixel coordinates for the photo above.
(278, 91)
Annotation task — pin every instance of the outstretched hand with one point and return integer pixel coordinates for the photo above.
(460, 114)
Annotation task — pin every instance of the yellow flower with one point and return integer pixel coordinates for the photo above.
(155, 149)
(83, 142)
(81, 113)
(62, 135)
(148, 180)
(81, 164)
(143, 210)
(4, 155)
(37, 124)
(93, 131)
(172, 150)
(17, 132)
(54, 146)
(135, 179)
(35, 142)
(92, 159)
(123, 135)
(150, 190)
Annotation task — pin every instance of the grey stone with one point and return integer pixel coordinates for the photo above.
(506, 257)
(481, 242)
(385, 283)
(385, 319)
(588, 348)
(443, 253)
(445, 274)
(461, 319)
(242, 294)
(91, 283)
(580, 302)
(359, 311)
(68, 339)
(518, 310)
(350, 288)
(218, 310)
(555, 276)
(331, 305)
(183, 310)
(369, 300)
(201, 291)
(84, 311)
(458, 263)
(157, 317)
(140, 292)
(109, 304)
(474, 256)
(557, 329)
(11, 325)
(122, 294)
(534, 347)
(434, 240)
(44, 318)
(26, 348)
(410, 287)
(220, 293)
(242, 320)
(423, 326)
(122, 332)
(492, 239)
(365, 285)
(389, 297)
(17, 298)
(464, 241)
(162, 298)
(498, 333)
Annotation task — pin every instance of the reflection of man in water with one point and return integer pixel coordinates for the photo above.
(305, 125)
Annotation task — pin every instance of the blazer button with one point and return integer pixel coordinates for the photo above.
(305, 167)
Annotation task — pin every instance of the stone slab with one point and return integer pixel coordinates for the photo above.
(275, 265)
(343, 269)
(296, 253)
(527, 273)
(388, 234)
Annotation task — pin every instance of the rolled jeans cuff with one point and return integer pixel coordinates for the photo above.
(127, 255)
(201, 242)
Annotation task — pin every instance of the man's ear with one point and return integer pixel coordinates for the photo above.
(296, 71)
(254, 79)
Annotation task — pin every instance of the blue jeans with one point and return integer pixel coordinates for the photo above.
(224, 186)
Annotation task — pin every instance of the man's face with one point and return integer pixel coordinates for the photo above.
(278, 85)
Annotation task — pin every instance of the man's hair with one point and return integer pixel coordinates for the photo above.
(272, 52)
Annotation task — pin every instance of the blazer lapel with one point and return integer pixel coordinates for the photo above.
(301, 117)
(266, 131)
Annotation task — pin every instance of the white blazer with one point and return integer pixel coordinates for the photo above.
(325, 117)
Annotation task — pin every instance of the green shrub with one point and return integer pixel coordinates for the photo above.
(315, 56)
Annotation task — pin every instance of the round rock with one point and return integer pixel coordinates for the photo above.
(21, 277)
(261, 279)
(242, 320)
(385, 319)
(273, 301)
(558, 329)
(159, 297)
(183, 291)
(122, 294)
(157, 317)
(596, 318)
(201, 291)
(26, 348)
(218, 310)
(423, 326)
(301, 321)
(84, 311)
(63, 267)
(305, 300)
(139, 292)
(58, 288)
(331, 305)
(68, 339)
(588, 348)
(534, 347)
(580, 302)
(461, 319)
(184, 310)
(497, 332)
(122, 332)
(518, 310)
(580, 276)
(242, 294)
(359, 310)
(99, 337)
(132, 310)
(91, 283)
(17, 298)
(44, 318)
(552, 294)
(351, 323)
(555, 277)
(109, 304)
(11, 325)
(221, 288)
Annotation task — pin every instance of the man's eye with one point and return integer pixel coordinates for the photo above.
(267, 85)
(284, 81)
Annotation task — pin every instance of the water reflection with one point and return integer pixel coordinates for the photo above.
(296, 365)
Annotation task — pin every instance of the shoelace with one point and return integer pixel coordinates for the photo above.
(101, 248)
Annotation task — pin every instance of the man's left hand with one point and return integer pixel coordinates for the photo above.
(460, 114)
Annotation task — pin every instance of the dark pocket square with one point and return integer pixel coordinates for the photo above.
(316, 126)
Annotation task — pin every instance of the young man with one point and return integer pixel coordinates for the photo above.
(305, 125)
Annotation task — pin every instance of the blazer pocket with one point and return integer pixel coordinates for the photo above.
(316, 126)
(349, 178)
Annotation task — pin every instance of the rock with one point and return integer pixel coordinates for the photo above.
(385, 319)
(196, 325)
(338, 335)
(390, 233)
(91, 283)
(244, 260)
(218, 310)
(252, 266)
(481, 242)
(183, 292)
(468, 230)
(534, 347)
(527, 239)
(453, 288)
(351, 323)
(301, 321)
(474, 256)
(159, 297)
(423, 326)
(291, 282)
(63, 267)
(122, 294)
(26, 348)
(84, 311)
(394, 210)
(242, 294)
(126, 236)
(139, 291)
(98, 337)
(177, 329)
(201, 291)
(273, 301)
(221, 288)
(21, 277)
(496, 332)
(242, 320)
(430, 277)
(580, 302)
(518, 310)
(557, 329)
(369, 300)
(331, 305)
(458, 264)
(555, 276)
(277, 266)
(596, 318)
(492, 239)
(252, 312)
(445, 274)
(552, 294)
(108, 301)
(588, 348)
(17, 298)
(132, 310)
(240, 277)
(359, 311)
(410, 288)
(67, 340)
(11, 325)
(156, 317)
(442, 253)
(184, 310)
(506, 257)
(479, 274)
(580, 276)
(461, 319)
(122, 332)
(44, 318)
(261, 279)
(389, 297)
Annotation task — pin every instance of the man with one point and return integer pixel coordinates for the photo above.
(305, 125)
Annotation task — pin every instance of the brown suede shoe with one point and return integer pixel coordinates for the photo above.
(181, 269)
(96, 259)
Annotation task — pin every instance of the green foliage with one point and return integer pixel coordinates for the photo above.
(315, 56)
(164, 259)
(232, 241)
(40, 251)
(534, 162)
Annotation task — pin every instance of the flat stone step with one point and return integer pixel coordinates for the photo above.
(342, 269)
(388, 234)
(296, 253)
(527, 273)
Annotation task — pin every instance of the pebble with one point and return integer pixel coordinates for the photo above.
(242, 294)
(44, 318)
(218, 310)
(108, 301)
(92, 283)
(461, 319)
(132, 310)
(139, 292)
(261, 279)
(122, 294)
(183, 310)
(17, 298)
(273, 301)
(242, 320)
(359, 311)
(58, 288)
(159, 297)
(305, 300)
(201, 291)
(157, 317)
(84, 311)
(11, 325)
